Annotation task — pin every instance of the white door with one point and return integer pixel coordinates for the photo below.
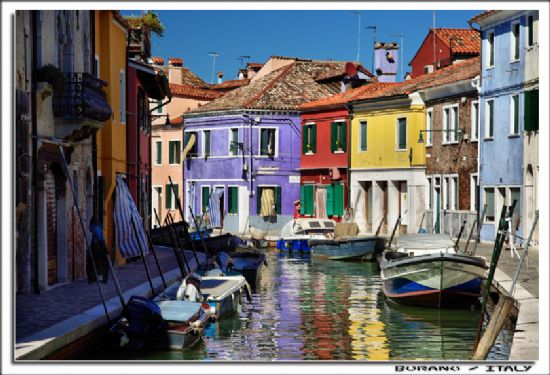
(155, 199)
(243, 208)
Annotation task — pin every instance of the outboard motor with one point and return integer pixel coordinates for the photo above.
(141, 317)
(189, 289)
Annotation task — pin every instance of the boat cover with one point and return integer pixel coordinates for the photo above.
(425, 241)
(178, 311)
(300, 226)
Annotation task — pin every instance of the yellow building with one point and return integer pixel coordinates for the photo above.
(111, 32)
(387, 163)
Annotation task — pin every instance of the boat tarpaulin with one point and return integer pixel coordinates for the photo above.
(425, 241)
(124, 212)
(214, 206)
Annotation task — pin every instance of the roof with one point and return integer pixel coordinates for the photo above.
(118, 17)
(230, 84)
(482, 16)
(344, 97)
(187, 76)
(464, 41)
(176, 121)
(175, 61)
(283, 89)
(157, 60)
(340, 72)
(254, 65)
(193, 92)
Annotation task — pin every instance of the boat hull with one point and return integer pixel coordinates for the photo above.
(434, 280)
(354, 249)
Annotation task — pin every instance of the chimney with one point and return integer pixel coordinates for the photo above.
(157, 61)
(386, 61)
(175, 66)
(220, 77)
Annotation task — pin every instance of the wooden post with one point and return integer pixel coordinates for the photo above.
(479, 224)
(460, 234)
(470, 236)
(499, 318)
(199, 231)
(143, 258)
(171, 241)
(394, 229)
(380, 226)
(176, 240)
(421, 221)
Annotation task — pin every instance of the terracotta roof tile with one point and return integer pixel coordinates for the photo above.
(283, 89)
(157, 60)
(481, 16)
(193, 92)
(176, 61)
(466, 41)
(254, 65)
(340, 72)
(345, 97)
(230, 84)
(176, 121)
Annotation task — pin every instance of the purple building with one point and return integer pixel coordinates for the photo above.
(242, 151)
(386, 58)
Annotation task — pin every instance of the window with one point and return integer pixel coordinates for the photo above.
(122, 97)
(454, 193)
(190, 137)
(171, 197)
(491, 49)
(206, 143)
(474, 192)
(309, 139)
(429, 125)
(158, 152)
(233, 142)
(402, 134)
(205, 198)
(335, 199)
(530, 33)
(450, 123)
(428, 69)
(515, 41)
(160, 106)
(515, 195)
(174, 152)
(306, 199)
(514, 115)
(233, 199)
(338, 136)
(489, 118)
(490, 202)
(363, 136)
(429, 193)
(268, 200)
(268, 142)
(475, 121)
(446, 193)
(531, 111)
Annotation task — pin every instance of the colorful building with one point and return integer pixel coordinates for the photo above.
(443, 47)
(245, 146)
(111, 33)
(451, 138)
(509, 113)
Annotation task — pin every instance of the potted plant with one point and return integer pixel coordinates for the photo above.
(54, 76)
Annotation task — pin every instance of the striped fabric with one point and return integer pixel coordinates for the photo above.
(214, 207)
(268, 203)
(124, 212)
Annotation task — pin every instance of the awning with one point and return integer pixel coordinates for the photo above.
(156, 85)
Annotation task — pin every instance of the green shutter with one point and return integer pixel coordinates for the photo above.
(530, 38)
(330, 200)
(171, 152)
(333, 136)
(278, 200)
(310, 194)
(258, 200)
(178, 152)
(176, 195)
(305, 131)
(314, 138)
(491, 118)
(535, 109)
(264, 138)
(159, 152)
(515, 98)
(207, 142)
(205, 196)
(233, 199)
(338, 199)
(527, 118)
(302, 199)
(490, 202)
(402, 134)
(168, 196)
(342, 135)
(363, 135)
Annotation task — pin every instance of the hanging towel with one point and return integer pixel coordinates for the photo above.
(189, 145)
(268, 202)
(214, 207)
(125, 212)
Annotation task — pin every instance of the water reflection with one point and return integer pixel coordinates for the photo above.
(309, 309)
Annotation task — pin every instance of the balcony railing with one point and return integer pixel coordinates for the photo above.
(83, 98)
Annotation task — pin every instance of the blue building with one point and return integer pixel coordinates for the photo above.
(509, 115)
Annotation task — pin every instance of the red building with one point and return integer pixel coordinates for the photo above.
(443, 47)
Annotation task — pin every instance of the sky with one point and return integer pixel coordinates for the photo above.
(314, 34)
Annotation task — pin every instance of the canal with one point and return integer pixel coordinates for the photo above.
(316, 309)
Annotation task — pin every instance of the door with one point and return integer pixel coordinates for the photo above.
(244, 212)
(437, 210)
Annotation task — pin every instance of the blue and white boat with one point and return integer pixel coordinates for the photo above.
(426, 270)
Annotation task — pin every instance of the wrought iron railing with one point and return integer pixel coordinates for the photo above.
(83, 98)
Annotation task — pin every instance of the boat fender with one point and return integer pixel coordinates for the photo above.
(196, 327)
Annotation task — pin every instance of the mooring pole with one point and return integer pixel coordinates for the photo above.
(394, 229)
(380, 226)
(479, 224)
(516, 275)
(75, 197)
(177, 240)
(200, 234)
(460, 234)
(170, 240)
(421, 221)
(143, 257)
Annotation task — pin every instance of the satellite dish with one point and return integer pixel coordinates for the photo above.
(351, 70)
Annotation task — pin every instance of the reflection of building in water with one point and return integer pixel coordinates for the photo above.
(367, 331)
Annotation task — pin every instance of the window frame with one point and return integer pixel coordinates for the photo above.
(450, 119)
(158, 161)
(194, 155)
(474, 121)
(515, 41)
(363, 124)
(340, 122)
(276, 142)
(490, 59)
(489, 128)
(309, 126)
(203, 143)
(229, 187)
(486, 218)
(177, 155)
(397, 138)
(474, 190)
(202, 198)
(514, 115)
(230, 140)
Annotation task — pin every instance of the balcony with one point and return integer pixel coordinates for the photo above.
(82, 107)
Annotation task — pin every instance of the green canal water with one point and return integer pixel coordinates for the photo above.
(313, 309)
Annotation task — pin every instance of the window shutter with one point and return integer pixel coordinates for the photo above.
(342, 130)
(278, 200)
(233, 204)
(178, 152)
(314, 138)
(402, 134)
(302, 199)
(333, 136)
(527, 118)
(363, 135)
(159, 153)
(305, 131)
(515, 99)
(264, 135)
(171, 152)
(310, 191)
(207, 142)
(168, 197)
(205, 197)
(176, 195)
(338, 199)
(535, 109)
(330, 200)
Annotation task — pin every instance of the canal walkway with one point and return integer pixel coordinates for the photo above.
(60, 315)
